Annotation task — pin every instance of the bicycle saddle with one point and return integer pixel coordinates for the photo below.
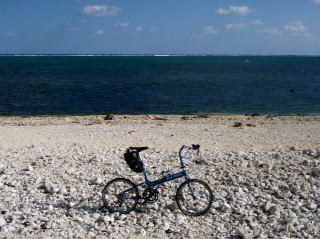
(139, 149)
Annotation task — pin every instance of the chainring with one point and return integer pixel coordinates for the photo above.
(150, 195)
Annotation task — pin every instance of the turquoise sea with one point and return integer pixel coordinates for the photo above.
(47, 85)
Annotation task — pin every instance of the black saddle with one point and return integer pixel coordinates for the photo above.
(138, 149)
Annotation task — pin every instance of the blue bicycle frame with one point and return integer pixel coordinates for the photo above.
(182, 173)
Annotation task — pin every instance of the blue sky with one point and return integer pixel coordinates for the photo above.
(160, 27)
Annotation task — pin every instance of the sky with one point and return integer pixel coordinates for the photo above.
(231, 27)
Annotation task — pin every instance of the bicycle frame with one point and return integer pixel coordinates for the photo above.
(151, 184)
(182, 173)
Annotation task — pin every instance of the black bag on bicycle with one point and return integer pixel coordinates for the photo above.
(132, 158)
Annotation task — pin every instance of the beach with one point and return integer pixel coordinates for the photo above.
(264, 171)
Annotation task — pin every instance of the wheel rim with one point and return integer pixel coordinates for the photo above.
(197, 204)
(120, 195)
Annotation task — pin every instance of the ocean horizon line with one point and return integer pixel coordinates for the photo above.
(168, 55)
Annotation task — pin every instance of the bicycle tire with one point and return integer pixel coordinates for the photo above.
(184, 196)
(114, 200)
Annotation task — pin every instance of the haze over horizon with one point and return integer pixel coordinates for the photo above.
(221, 27)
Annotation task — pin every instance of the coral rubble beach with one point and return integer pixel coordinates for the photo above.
(264, 172)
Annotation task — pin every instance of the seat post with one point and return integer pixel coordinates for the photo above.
(144, 172)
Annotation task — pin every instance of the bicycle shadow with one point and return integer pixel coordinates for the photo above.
(67, 206)
(90, 208)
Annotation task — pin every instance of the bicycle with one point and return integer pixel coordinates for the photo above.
(193, 197)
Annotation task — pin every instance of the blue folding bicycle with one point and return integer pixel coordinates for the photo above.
(193, 197)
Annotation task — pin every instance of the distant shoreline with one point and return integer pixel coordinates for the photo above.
(200, 115)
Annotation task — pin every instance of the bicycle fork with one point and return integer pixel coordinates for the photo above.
(190, 187)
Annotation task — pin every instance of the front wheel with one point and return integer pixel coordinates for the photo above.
(194, 197)
(120, 195)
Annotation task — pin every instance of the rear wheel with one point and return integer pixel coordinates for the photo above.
(120, 195)
(194, 197)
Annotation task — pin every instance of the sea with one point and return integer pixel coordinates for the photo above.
(159, 84)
